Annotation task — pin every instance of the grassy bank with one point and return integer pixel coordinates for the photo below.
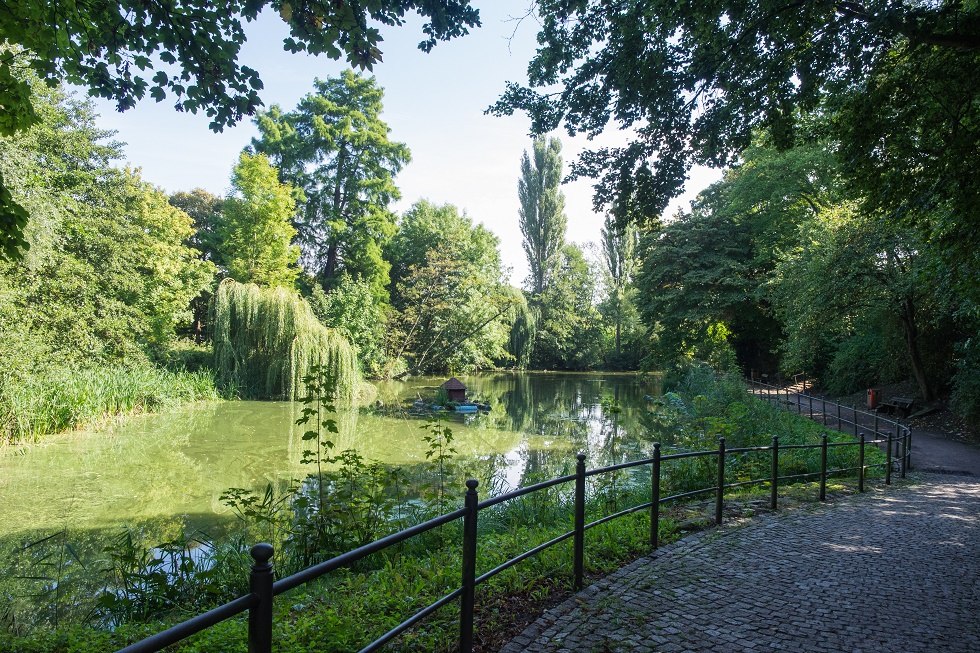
(47, 401)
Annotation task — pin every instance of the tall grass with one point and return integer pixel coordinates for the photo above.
(60, 399)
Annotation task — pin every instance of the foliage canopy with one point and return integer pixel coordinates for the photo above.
(692, 81)
(187, 49)
(335, 149)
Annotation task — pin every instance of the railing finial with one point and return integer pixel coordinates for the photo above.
(262, 554)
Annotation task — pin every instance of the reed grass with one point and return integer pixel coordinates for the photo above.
(58, 399)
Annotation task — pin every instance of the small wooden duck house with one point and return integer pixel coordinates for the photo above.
(455, 390)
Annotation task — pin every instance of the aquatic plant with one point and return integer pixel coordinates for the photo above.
(51, 399)
(266, 340)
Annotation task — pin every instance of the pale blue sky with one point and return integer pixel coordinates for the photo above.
(433, 102)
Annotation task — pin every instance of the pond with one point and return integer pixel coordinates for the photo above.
(166, 472)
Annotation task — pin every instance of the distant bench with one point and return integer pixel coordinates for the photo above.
(897, 406)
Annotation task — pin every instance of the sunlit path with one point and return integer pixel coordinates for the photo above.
(892, 570)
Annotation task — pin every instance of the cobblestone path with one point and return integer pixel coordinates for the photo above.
(894, 570)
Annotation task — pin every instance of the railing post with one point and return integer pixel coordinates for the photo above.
(579, 521)
(874, 436)
(774, 481)
(655, 498)
(839, 423)
(467, 600)
(823, 411)
(823, 467)
(908, 447)
(854, 410)
(861, 465)
(888, 457)
(720, 496)
(260, 584)
(905, 453)
(810, 397)
(799, 404)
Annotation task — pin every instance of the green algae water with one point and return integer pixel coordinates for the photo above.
(175, 466)
(164, 474)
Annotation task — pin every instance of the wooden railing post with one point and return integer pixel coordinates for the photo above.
(260, 584)
(655, 498)
(861, 465)
(467, 600)
(579, 553)
(720, 495)
(774, 481)
(823, 467)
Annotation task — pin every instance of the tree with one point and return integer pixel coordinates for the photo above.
(693, 284)
(267, 341)
(452, 307)
(352, 309)
(714, 265)
(189, 48)
(542, 210)
(335, 149)
(205, 212)
(523, 328)
(859, 305)
(692, 82)
(569, 330)
(619, 251)
(255, 232)
(109, 274)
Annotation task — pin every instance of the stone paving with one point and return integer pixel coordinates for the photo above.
(894, 570)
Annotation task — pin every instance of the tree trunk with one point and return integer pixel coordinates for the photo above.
(912, 344)
(618, 332)
(330, 269)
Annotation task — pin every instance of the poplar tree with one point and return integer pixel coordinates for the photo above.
(619, 256)
(542, 211)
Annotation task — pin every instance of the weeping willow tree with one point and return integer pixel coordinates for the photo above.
(267, 339)
(522, 331)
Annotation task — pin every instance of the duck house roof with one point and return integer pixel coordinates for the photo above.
(454, 384)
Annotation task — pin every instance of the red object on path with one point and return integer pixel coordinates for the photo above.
(874, 396)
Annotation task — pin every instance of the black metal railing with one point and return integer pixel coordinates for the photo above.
(263, 590)
(897, 434)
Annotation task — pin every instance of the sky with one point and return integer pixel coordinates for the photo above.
(433, 102)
